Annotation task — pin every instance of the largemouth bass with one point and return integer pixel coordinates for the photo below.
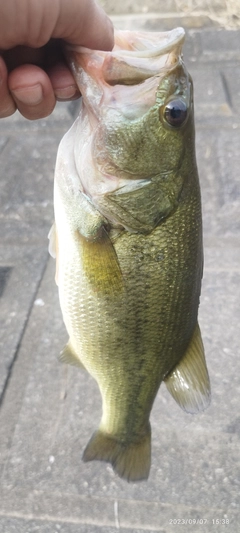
(128, 240)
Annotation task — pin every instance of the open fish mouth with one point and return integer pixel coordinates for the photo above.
(135, 57)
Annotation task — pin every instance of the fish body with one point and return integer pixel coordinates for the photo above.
(128, 240)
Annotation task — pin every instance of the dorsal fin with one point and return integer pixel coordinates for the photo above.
(53, 247)
(188, 382)
(52, 241)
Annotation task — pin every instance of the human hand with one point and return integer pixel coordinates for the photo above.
(33, 73)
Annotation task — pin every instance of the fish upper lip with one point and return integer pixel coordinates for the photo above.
(171, 40)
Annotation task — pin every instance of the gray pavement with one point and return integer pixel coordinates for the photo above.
(48, 411)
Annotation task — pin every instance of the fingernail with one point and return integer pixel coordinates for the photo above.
(67, 93)
(30, 95)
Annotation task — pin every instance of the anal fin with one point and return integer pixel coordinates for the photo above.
(69, 356)
(188, 382)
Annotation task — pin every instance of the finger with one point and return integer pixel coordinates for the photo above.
(84, 23)
(7, 104)
(81, 22)
(22, 55)
(51, 59)
(63, 83)
(99, 33)
(32, 91)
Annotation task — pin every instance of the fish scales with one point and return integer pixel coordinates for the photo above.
(128, 240)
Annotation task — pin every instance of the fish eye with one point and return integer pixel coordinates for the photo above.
(175, 112)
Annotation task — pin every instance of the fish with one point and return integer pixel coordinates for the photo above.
(127, 238)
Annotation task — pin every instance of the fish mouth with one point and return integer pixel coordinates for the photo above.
(135, 57)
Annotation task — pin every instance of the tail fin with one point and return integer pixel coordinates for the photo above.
(130, 461)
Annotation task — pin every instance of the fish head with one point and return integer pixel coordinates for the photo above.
(136, 112)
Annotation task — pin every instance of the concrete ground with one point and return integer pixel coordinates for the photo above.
(48, 411)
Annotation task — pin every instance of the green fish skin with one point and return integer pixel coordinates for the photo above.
(128, 240)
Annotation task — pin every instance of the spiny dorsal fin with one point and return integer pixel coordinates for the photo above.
(188, 383)
(69, 356)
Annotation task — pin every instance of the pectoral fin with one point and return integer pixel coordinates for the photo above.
(188, 383)
(69, 356)
(101, 265)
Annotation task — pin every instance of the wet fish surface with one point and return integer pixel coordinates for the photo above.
(127, 239)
